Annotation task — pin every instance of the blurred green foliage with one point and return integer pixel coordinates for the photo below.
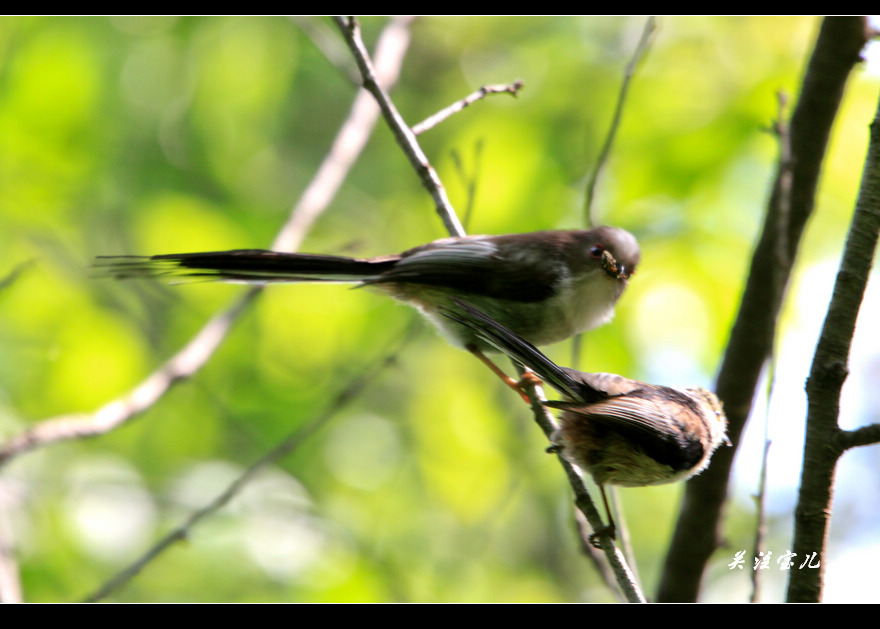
(134, 135)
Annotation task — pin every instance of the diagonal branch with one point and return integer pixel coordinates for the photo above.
(285, 447)
(402, 133)
(407, 141)
(348, 144)
(590, 192)
(638, 53)
(783, 187)
(624, 576)
(117, 412)
(432, 121)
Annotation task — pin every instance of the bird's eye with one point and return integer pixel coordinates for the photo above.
(596, 251)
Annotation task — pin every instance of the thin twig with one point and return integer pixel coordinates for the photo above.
(469, 181)
(285, 447)
(760, 517)
(402, 133)
(784, 183)
(501, 88)
(324, 38)
(115, 413)
(624, 576)
(623, 537)
(406, 139)
(14, 274)
(589, 218)
(350, 140)
(603, 568)
(644, 42)
(783, 262)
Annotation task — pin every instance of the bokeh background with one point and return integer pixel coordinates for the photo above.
(141, 135)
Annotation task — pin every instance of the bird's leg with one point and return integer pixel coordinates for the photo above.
(611, 529)
(527, 378)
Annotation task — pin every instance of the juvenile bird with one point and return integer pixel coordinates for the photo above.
(621, 431)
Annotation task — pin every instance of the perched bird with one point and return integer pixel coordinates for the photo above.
(546, 286)
(621, 431)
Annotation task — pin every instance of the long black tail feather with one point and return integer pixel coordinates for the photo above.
(246, 265)
(516, 348)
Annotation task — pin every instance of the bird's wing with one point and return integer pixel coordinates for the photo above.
(477, 266)
(643, 418)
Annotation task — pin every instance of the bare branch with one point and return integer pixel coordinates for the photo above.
(827, 375)
(469, 180)
(14, 274)
(589, 218)
(402, 133)
(626, 581)
(285, 447)
(779, 278)
(406, 139)
(760, 518)
(190, 359)
(584, 531)
(10, 584)
(501, 88)
(182, 365)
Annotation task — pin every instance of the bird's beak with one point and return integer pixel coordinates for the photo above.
(611, 267)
